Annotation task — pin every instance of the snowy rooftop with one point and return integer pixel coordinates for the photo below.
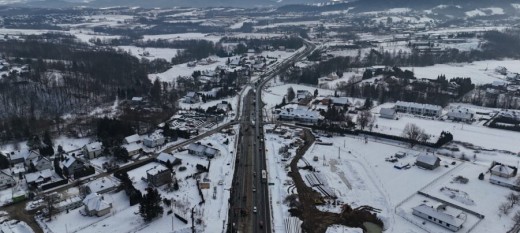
(418, 105)
(95, 146)
(427, 158)
(95, 201)
(439, 213)
(132, 138)
(156, 170)
(101, 184)
(32, 177)
(69, 160)
(165, 157)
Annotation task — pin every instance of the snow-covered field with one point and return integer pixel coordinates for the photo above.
(359, 175)
(184, 36)
(150, 53)
(480, 72)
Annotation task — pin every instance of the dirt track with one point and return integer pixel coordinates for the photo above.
(314, 220)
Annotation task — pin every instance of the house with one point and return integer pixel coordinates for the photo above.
(39, 177)
(154, 140)
(196, 149)
(41, 163)
(132, 139)
(71, 164)
(96, 205)
(451, 219)
(460, 114)
(418, 109)
(202, 150)
(506, 182)
(133, 149)
(24, 156)
(159, 175)
(166, 158)
(342, 102)
(428, 161)
(302, 94)
(191, 98)
(6, 180)
(101, 186)
(503, 170)
(388, 113)
(224, 107)
(93, 150)
(300, 114)
(69, 204)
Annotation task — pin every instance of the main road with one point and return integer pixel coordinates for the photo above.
(249, 203)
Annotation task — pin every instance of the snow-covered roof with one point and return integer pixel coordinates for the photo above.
(132, 138)
(165, 157)
(503, 169)
(156, 169)
(132, 147)
(96, 202)
(387, 111)
(300, 113)
(211, 151)
(35, 176)
(191, 94)
(101, 184)
(439, 214)
(418, 105)
(95, 146)
(460, 112)
(427, 159)
(69, 160)
(154, 136)
(339, 100)
(196, 147)
(137, 98)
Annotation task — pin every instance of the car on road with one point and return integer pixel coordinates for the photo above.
(254, 189)
(254, 209)
(261, 224)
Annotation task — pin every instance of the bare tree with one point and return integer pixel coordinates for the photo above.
(372, 123)
(516, 218)
(363, 119)
(414, 133)
(504, 208)
(513, 198)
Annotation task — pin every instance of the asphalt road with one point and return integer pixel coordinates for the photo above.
(261, 195)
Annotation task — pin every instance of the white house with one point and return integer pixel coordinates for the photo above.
(132, 148)
(93, 150)
(39, 177)
(202, 150)
(460, 114)
(41, 163)
(441, 215)
(101, 185)
(153, 140)
(96, 205)
(299, 114)
(418, 109)
(6, 180)
(428, 161)
(388, 113)
(165, 158)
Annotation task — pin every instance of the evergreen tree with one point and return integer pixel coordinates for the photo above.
(57, 167)
(4, 162)
(150, 206)
(315, 93)
(155, 92)
(34, 143)
(290, 94)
